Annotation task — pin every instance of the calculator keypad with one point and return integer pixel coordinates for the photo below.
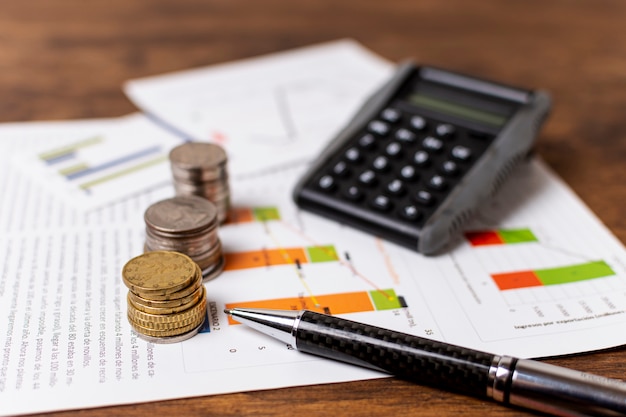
(402, 165)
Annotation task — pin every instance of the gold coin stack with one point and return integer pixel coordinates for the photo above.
(199, 168)
(186, 224)
(166, 298)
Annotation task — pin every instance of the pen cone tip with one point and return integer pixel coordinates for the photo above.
(228, 311)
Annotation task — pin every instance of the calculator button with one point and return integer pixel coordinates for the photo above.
(368, 177)
(432, 143)
(408, 172)
(410, 212)
(424, 197)
(445, 130)
(327, 183)
(421, 158)
(405, 135)
(353, 193)
(341, 169)
(381, 202)
(393, 149)
(367, 141)
(418, 123)
(437, 182)
(390, 115)
(396, 187)
(378, 127)
(461, 153)
(353, 155)
(449, 168)
(381, 163)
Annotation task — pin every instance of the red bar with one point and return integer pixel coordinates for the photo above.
(484, 238)
(513, 280)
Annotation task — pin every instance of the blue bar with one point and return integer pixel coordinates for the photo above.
(119, 161)
(60, 158)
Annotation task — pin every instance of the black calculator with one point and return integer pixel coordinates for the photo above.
(422, 154)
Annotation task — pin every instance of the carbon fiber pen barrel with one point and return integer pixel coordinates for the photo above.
(508, 380)
(409, 357)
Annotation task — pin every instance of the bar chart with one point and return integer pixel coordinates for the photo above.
(552, 276)
(116, 161)
(279, 256)
(252, 214)
(500, 237)
(337, 303)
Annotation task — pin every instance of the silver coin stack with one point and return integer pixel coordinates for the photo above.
(199, 168)
(186, 224)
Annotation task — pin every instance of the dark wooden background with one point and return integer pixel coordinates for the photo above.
(67, 59)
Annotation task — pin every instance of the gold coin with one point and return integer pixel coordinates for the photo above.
(168, 321)
(195, 284)
(165, 307)
(163, 327)
(167, 333)
(159, 272)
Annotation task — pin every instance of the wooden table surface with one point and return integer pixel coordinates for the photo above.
(67, 59)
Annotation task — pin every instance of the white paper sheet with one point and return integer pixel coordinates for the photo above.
(268, 111)
(88, 164)
(66, 342)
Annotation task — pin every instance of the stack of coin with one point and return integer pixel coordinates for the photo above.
(199, 168)
(166, 298)
(186, 224)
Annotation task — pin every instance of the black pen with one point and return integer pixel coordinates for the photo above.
(520, 382)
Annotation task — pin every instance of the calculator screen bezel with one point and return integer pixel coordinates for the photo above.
(465, 104)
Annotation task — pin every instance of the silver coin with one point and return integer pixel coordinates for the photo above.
(193, 251)
(220, 173)
(213, 272)
(158, 235)
(181, 214)
(198, 157)
(203, 188)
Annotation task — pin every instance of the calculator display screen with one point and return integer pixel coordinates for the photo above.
(460, 105)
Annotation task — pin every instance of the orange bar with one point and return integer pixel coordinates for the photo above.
(351, 302)
(240, 215)
(263, 258)
(513, 280)
(484, 238)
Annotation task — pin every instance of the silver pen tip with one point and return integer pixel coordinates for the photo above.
(228, 311)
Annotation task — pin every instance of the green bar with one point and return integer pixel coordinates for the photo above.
(322, 253)
(73, 169)
(121, 173)
(263, 214)
(385, 299)
(574, 273)
(55, 153)
(517, 235)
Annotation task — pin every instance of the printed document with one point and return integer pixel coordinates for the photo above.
(535, 274)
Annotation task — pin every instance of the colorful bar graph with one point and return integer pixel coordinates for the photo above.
(252, 214)
(279, 256)
(552, 276)
(339, 303)
(64, 153)
(80, 170)
(121, 173)
(500, 237)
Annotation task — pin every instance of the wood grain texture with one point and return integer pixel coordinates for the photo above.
(67, 59)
